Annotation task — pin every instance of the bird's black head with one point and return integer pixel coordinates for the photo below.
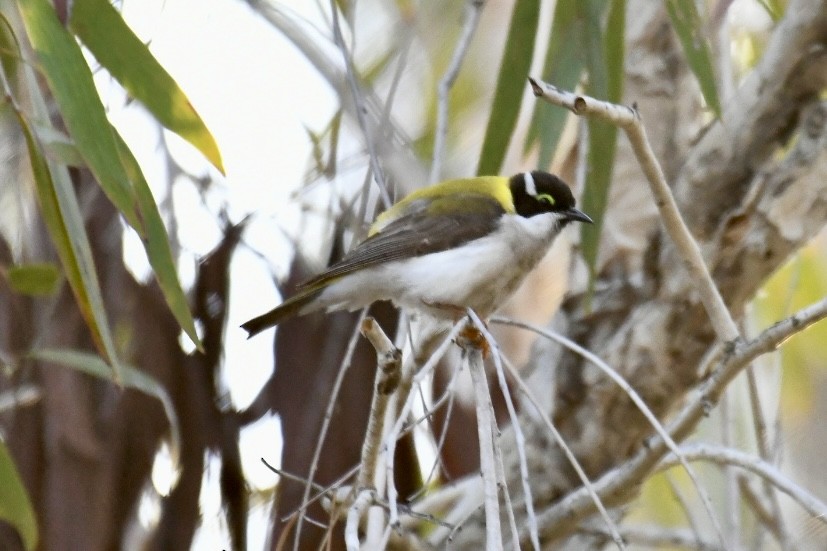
(539, 192)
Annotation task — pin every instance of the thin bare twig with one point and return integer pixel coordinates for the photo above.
(759, 423)
(658, 537)
(394, 433)
(761, 510)
(731, 457)
(485, 427)
(473, 9)
(328, 415)
(509, 506)
(354, 513)
(588, 486)
(613, 487)
(519, 437)
(330, 494)
(684, 505)
(629, 120)
(361, 109)
(639, 403)
(732, 498)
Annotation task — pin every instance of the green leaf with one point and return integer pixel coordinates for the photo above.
(563, 66)
(102, 29)
(614, 40)
(70, 81)
(690, 30)
(157, 247)
(774, 8)
(15, 505)
(34, 279)
(62, 216)
(605, 65)
(10, 54)
(93, 365)
(58, 147)
(508, 96)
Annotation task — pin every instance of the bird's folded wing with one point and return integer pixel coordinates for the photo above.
(427, 226)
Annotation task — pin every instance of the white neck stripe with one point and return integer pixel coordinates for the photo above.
(530, 186)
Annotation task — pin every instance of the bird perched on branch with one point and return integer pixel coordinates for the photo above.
(458, 244)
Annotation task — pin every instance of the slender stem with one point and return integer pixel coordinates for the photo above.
(361, 109)
(640, 404)
(328, 416)
(472, 17)
(726, 457)
(616, 485)
(629, 120)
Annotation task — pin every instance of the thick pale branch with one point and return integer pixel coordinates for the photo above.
(388, 373)
(616, 485)
(650, 323)
(629, 120)
(486, 425)
(758, 120)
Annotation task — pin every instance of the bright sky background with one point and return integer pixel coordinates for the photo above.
(256, 94)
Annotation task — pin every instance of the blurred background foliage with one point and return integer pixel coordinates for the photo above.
(53, 55)
(804, 357)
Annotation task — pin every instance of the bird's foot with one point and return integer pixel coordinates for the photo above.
(472, 337)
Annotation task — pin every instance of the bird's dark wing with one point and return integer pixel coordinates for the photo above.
(427, 226)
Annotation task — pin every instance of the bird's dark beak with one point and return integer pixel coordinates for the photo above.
(576, 215)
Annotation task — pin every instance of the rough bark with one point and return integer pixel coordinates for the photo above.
(749, 212)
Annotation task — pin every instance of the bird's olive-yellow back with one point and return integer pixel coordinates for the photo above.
(495, 187)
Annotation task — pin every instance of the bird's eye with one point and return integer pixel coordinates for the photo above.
(546, 198)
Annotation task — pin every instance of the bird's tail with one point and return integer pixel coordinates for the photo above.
(290, 307)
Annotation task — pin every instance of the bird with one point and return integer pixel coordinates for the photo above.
(458, 244)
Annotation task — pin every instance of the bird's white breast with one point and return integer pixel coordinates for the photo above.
(481, 274)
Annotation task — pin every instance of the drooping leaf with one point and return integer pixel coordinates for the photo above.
(505, 108)
(15, 505)
(774, 8)
(102, 29)
(563, 66)
(604, 52)
(93, 365)
(58, 147)
(690, 29)
(614, 40)
(61, 213)
(70, 81)
(157, 246)
(10, 55)
(34, 279)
